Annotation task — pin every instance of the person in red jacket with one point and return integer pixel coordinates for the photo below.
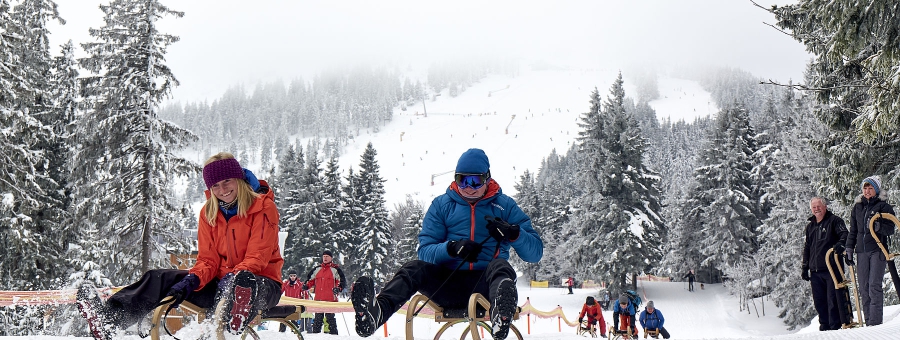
(238, 259)
(293, 287)
(327, 281)
(592, 310)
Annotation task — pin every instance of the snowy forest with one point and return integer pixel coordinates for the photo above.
(94, 156)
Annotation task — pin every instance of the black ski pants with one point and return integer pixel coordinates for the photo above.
(832, 305)
(318, 323)
(435, 282)
(132, 303)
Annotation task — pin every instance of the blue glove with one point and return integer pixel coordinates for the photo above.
(225, 282)
(182, 289)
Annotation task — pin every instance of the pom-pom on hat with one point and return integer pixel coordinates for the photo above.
(874, 181)
(327, 252)
(221, 170)
(473, 161)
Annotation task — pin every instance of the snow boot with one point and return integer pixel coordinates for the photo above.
(366, 307)
(239, 309)
(94, 310)
(503, 308)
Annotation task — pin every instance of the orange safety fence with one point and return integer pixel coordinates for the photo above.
(654, 278)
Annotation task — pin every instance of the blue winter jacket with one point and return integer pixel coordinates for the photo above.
(451, 218)
(653, 320)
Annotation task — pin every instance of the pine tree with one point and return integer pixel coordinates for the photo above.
(408, 237)
(376, 245)
(620, 208)
(720, 221)
(126, 162)
(853, 75)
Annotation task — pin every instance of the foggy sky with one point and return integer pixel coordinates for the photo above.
(229, 42)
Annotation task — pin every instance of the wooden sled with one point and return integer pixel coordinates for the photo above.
(478, 306)
(653, 334)
(282, 313)
(892, 267)
(624, 334)
(844, 283)
(585, 329)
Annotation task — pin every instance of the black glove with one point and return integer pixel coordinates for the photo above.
(838, 248)
(501, 230)
(580, 320)
(464, 248)
(336, 290)
(849, 258)
(182, 289)
(804, 274)
(304, 286)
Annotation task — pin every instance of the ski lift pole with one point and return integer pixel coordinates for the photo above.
(892, 267)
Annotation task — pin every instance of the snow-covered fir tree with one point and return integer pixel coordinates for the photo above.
(125, 165)
(376, 244)
(720, 221)
(617, 223)
(408, 236)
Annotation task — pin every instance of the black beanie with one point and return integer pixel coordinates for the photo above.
(327, 252)
(589, 301)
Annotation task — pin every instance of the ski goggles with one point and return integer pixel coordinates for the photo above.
(474, 181)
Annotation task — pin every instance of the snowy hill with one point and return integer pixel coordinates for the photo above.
(546, 105)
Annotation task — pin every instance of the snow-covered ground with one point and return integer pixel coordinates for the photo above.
(704, 314)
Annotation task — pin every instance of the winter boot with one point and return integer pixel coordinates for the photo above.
(239, 309)
(94, 310)
(366, 307)
(503, 308)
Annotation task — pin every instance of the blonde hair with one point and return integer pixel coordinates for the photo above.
(245, 194)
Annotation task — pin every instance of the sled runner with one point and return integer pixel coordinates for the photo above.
(653, 334)
(843, 283)
(892, 267)
(585, 329)
(478, 306)
(284, 313)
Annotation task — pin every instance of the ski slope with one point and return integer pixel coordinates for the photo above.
(704, 314)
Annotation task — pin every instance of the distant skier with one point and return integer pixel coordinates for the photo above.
(652, 320)
(570, 283)
(690, 277)
(463, 249)
(623, 313)
(591, 309)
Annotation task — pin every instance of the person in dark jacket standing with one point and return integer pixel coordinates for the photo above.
(870, 259)
(327, 280)
(825, 231)
(690, 277)
(463, 249)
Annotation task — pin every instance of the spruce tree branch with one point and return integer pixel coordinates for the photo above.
(802, 87)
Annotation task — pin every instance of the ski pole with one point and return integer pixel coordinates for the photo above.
(443, 283)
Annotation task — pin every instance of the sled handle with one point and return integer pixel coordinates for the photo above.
(887, 255)
(828, 255)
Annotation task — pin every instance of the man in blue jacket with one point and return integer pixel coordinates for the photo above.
(463, 249)
(652, 320)
(624, 312)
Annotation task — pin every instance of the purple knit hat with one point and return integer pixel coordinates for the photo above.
(221, 170)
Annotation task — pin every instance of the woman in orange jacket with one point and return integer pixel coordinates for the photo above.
(592, 309)
(238, 258)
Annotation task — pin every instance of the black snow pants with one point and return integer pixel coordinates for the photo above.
(130, 304)
(426, 278)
